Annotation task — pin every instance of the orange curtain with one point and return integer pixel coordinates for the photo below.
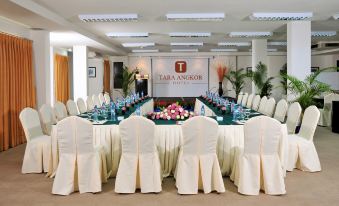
(61, 78)
(17, 87)
(106, 76)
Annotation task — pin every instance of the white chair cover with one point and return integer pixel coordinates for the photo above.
(90, 104)
(38, 147)
(101, 98)
(72, 108)
(302, 152)
(139, 165)
(281, 110)
(270, 106)
(256, 102)
(244, 99)
(48, 118)
(107, 98)
(259, 164)
(249, 101)
(96, 100)
(262, 105)
(293, 117)
(197, 165)
(60, 110)
(81, 167)
(81, 105)
(239, 98)
(326, 112)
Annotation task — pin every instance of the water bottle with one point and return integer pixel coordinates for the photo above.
(235, 115)
(232, 106)
(202, 112)
(112, 111)
(137, 111)
(142, 94)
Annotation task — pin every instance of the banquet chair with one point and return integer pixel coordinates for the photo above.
(256, 102)
(60, 110)
(38, 147)
(258, 165)
(82, 167)
(47, 118)
(90, 103)
(72, 108)
(107, 98)
(197, 165)
(281, 110)
(249, 101)
(81, 105)
(101, 98)
(262, 105)
(244, 99)
(139, 165)
(96, 100)
(302, 152)
(293, 117)
(269, 107)
(326, 112)
(239, 99)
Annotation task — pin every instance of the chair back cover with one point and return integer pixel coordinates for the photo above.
(270, 106)
(72, 108)
(30, 121)
(309, 122)
(281, 110)
(48, 118)
(262, 105)
(96, 100)
(256, 102)
(101, 98)
(60, 110)
(90, 103)
(244, 99)
(239, 98)
(81, 105)
(293, 117)
(250, 101)
(107, 98)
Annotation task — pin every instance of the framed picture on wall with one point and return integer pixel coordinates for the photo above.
(92, 72)
(314, 69)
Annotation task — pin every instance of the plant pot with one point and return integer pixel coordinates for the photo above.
(220, 90)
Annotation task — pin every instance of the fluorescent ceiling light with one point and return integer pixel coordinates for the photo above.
(123, 34)
(190, 34)
(145, 50)
(187, 44)
(138, 44)
(108, 17)
(250, 34)
(234, 44)
(336, 16)
(269, 50)
(184, 50)
(196, 17)
(277, 43)
(323, 33)
(224, 50)
(280, 16)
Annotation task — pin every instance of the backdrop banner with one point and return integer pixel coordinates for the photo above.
(179, 77)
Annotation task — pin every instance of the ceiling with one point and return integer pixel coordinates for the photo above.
(152, 19)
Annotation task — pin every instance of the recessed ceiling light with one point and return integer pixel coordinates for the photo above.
(184, 50)
(108, 17)
(145, 50)
(189, 34)
(224, 50)
(280, 16)
(250, 34)
(196, 17)
(138, 44)
(323, 33)
(234, 44)
(277, 43)
(336, 16)
(187, 44)
(123, 34)
(269, 50)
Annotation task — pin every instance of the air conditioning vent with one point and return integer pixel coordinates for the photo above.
(325, 45)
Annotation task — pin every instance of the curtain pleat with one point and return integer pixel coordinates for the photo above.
(106, 76)
(61, 78)
(17, 87)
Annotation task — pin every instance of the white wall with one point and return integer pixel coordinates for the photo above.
(95, 85)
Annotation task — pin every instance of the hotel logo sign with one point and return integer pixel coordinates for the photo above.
(180, 66)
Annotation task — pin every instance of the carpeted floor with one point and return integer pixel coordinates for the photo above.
(302, 188)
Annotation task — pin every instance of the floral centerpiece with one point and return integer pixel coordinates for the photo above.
(171, 112)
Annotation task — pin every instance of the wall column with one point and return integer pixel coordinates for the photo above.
(259, 54)
(80, 83)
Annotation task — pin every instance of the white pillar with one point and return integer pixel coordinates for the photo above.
(41, 53)
(80, 85)
(259, 54)
(298, 50)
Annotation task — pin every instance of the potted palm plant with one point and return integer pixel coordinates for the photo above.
(127, 80)
(283, 80)
(259, 77)
(237, 79)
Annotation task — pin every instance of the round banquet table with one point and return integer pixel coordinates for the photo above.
(168, 140)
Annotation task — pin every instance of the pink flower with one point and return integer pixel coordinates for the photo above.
(157, 116)
(173, 116)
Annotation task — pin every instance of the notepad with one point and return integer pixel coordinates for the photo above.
(220, 119)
